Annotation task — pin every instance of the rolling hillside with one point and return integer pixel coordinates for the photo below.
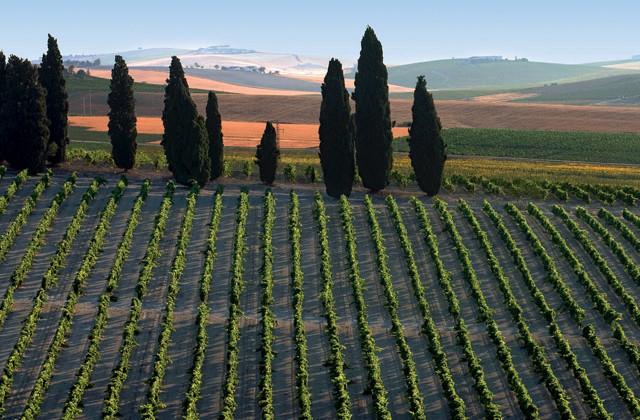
(458, 73)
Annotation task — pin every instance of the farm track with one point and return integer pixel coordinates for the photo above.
(284, 367)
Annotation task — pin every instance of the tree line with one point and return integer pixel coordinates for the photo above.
(34, 107)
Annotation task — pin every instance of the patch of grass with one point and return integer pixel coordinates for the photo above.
(532, 144)
(85, 83)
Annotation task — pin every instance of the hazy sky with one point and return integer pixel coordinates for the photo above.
(542, 30)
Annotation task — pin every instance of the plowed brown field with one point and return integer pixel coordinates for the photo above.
(236, 133)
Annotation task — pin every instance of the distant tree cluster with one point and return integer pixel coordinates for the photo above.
(33, 110)
(368, 132)
(34, 106)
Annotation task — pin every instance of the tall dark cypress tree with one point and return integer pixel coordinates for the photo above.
(374, 153)
(25, 108)
(3, 88)
(336, 133)
(185, 139)
(52, 79)
(268, 154)
(426, 147)
(122, 116)
(214, 131)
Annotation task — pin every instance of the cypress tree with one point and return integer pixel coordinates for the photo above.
(374, 153)
(214, 131)
(122, 116)
(25, 107)
(426, 147)
(185, 139)
(3, 85)
(51, 75)
(336, 133)
(268, 154)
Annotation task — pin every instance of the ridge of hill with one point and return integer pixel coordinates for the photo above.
(462, 73)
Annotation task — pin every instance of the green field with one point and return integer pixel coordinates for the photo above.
(79, 84)
(531, 144)
(456, 73)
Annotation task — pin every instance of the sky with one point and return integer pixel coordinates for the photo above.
(561, 31)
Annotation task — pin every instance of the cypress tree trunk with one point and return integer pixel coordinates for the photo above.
(374, 153)
(3, 94)
(268, 155)
(185, 138)
(426, 147)
(214, 131)
(25, 107)
(122, 116)
(336, 133)
(51, 75)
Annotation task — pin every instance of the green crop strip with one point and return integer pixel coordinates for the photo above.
(233, 330)
(189, 409)
(119, 374)
(153, 405)
(367, 343)
(19, 179)
(486, 315)
(32, 408)
(456, 404)
(578, 314)
(416, 404)
(37, 240)
(297, 282)
(48, 280)
(539, 359)
(336, 359)
(83, 375)
(268, 321)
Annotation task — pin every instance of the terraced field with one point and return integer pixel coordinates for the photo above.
(151, 300)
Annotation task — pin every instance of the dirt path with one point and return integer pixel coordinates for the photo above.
(134, 391)
(213, 369)
(481, 342)
(183, 339)
(25, 376)
(249, 358)
(361, 403)
(430, 386)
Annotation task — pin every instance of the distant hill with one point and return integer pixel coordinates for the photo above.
(611, 90)
(460, 73)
